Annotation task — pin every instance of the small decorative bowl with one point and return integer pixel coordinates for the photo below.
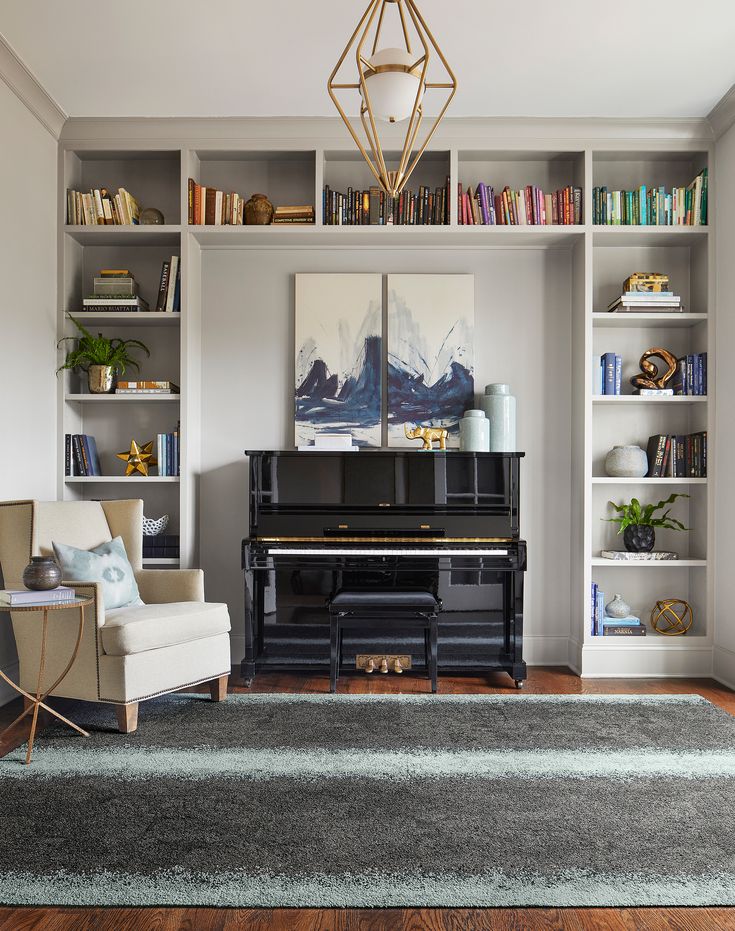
(152, 528)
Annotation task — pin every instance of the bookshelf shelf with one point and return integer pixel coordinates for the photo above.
(648, 235)
(140, 235)
(647, 321)
(137, 319)
(635, 399)
(115, 479)
(650, 564)
(665, 480)
(153, 562)
(122, 398)
(652, 641)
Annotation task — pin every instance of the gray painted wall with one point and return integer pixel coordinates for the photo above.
(522, 336)
(28, 155)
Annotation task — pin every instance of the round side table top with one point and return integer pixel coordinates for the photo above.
(49, 605)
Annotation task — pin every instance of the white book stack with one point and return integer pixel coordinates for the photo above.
(334, 442)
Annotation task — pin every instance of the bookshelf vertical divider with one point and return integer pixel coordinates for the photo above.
(292, 165)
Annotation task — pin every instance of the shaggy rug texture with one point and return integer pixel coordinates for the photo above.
(402, 800)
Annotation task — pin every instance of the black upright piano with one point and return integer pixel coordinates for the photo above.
(443, 521)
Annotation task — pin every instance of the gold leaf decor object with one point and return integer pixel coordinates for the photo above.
(672, 617)
(651, 377)
(138, 459)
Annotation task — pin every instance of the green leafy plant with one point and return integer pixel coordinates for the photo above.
(99, 350)
(635, 513)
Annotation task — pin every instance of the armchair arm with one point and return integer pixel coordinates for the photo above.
(164, 586)
(91, 590)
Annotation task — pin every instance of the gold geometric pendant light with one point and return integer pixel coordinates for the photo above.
(392, 85)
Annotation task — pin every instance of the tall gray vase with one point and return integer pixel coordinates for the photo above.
(500, 408)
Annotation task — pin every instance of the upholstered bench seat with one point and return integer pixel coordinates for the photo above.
(384, 598)
(151, 627)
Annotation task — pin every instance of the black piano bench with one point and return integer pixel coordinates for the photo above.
(358, 607)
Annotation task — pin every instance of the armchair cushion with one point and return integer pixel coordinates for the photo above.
(151, 627)
(107, 563)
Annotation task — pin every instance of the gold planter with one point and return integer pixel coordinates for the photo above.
(101, 379)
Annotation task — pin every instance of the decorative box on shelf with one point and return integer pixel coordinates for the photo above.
(625, 556)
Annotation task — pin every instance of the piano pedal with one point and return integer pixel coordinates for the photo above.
(397, 666)
(384, 664)
(370, 666)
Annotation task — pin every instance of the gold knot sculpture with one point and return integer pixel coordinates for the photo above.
(429, 435)
(651, 378)
(672, 617)
(138, 458)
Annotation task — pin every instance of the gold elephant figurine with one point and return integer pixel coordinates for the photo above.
(429, 435)
(651, 377)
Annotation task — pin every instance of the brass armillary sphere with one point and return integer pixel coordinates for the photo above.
(391, 85)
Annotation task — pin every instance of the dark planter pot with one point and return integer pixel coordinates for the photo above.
(41, 574)
(639, 538)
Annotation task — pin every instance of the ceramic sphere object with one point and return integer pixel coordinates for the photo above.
(151, 217)
(626, 462)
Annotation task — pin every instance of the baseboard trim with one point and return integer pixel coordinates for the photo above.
(29, 90)
(723, 666)
(650, 662)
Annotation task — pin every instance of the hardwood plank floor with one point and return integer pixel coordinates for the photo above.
(540, 681)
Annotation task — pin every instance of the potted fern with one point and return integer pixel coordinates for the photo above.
(101, 358)
(638, 524)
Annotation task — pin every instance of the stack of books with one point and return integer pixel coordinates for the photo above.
(603, 626)
(639, 302)
(80, 455)
(376, 208)
(211, 207)
(169, 286)
(527, 207)
(294, 214)
(607, 374)
(677, 456)
(167, 453)
(115, 291)
(691, 375)
(99, 207)
(16, 597)
(652, 206)
(330, 441)
(146, 387)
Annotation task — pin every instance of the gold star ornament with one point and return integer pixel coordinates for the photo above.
(138, 459)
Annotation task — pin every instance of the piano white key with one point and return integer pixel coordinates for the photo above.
(330, 551)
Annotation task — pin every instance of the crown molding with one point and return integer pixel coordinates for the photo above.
(30, 91)
(722, 116)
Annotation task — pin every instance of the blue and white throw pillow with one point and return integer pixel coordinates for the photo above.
(108, 564)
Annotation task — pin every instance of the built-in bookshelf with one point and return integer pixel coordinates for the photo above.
(293, 165)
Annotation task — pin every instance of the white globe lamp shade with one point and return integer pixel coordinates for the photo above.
(391, 87)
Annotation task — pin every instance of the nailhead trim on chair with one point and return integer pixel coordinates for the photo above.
(185, 685)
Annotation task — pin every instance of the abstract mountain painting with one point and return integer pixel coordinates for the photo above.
(430, 353)
(339, 328)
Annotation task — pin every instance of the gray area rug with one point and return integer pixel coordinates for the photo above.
(410, 800)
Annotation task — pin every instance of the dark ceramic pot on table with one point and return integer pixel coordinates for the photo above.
(41, 574)
(639, 538)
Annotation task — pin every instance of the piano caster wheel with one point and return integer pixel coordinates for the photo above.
(384, 665)
(248, 683)
(369, 666)
(397, 667)
(519, 683)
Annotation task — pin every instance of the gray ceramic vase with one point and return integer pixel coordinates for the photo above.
(500, 409)
(474, 432)
(617, 607)
(41, 574)
(626, 462)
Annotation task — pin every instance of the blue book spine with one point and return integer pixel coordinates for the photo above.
(629, 621)
(642, 206)
(608, 362)
(599, 613)
(162, 460)
(593, 608)
(704, 372)
(87, 454)
(661, 206)
(94, 458)
(170, 454)
(618, 374)
(690, 375)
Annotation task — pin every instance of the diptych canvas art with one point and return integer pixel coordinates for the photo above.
(430, 353)
(339, 353)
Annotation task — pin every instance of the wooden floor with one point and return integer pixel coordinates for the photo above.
(541, 681)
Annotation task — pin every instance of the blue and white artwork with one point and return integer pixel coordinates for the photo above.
(430, 353)
(339, 328)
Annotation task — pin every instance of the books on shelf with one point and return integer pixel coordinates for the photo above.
(607, 374)
(146, 387)
(677, 455)
(115, 304)
(603, 626)
(529, 206)
(376, 208)
(652, 206)
(294, 214)
(16, 597)
(167, 453)
(99, 207)
(639, 302)
(161, 546)
(690, 377)
(169, 286)
(80, 455)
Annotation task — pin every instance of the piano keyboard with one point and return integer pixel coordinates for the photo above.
(383, 551)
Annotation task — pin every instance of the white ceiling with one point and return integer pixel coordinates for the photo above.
(628, 58)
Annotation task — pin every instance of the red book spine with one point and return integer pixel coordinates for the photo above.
(530, 218)
(197, 221)
(460, 205)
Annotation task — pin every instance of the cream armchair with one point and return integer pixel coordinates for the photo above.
(127, 655)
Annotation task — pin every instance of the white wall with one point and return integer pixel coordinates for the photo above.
(522, 336)
(27, 314)
(724, 654)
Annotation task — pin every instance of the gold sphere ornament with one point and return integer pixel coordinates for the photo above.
(672, 617)
(138, 458)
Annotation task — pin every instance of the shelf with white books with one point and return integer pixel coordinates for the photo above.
(646, 480)
(599, 561)
(137, 318)
(138, 480)
(625, 399)
(647, 320)
(133, 235)
(121, 398)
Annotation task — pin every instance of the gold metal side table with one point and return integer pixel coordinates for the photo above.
(38, 700)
